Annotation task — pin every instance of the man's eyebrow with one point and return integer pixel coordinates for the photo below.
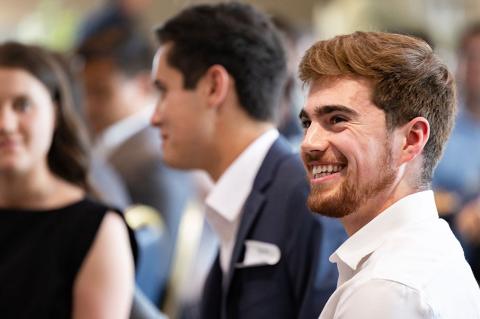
(327, 109)
(303, 114)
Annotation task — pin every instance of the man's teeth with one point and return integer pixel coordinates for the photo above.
(323, 170)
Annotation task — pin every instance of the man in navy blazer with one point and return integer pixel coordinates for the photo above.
(219, 72)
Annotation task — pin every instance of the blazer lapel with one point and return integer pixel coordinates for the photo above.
(255, 201)
(212, 300)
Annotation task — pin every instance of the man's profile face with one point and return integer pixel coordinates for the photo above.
(182, 115)
(346, 148)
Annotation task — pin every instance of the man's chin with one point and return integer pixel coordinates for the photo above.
(173, 162)
(333, 206)
(329, 211)
(179, 162)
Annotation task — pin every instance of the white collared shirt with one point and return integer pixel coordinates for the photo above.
(226, 199)
(119, 132)
(405, 263)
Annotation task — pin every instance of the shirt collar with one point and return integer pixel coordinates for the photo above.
(232, 189)
(121, 131)
(409, 210)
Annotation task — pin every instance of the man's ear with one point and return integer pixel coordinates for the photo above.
(216, 83)
(416, 134)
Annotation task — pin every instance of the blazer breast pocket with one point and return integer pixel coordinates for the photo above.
(258, 278)
(259, 253)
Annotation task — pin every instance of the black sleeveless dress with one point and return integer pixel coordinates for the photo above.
(41, 252)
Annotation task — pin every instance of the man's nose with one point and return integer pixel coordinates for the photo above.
(315, 139)
(156, 118)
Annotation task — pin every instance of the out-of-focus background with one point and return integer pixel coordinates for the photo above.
(54, 22)
(181, 242)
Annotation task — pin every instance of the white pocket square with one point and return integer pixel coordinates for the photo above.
(258, 253)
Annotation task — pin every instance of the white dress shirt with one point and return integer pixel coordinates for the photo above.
(225, 201)
(404, 264)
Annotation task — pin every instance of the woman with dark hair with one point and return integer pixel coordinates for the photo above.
(62, 254)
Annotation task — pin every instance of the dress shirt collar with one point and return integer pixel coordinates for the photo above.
(409, 210)
(119, 132)
(232, 189)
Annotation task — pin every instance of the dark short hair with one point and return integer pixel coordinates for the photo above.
(408, 79)
(67, 156)
(126, 46)
(236, 36)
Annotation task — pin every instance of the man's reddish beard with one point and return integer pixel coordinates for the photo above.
(350, 197)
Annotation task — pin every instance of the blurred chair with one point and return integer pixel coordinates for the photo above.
(195, 252)
(150, 233)
(142, 308)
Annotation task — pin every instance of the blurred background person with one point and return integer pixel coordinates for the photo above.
(142, 306)
(63, 254)
(119, 102)
(113, 13)
(457, 176)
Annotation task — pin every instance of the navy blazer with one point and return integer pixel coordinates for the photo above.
(275, 212)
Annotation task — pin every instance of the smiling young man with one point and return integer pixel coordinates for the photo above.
(379, 110)
(219, 72)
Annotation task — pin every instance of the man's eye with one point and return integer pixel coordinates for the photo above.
(161, 92)
(22, 104)
(305, 123)
(337, 119)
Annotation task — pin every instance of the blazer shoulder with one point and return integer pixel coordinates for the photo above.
(145, 141)
(282, 180)
(280, 162)
(290, 172)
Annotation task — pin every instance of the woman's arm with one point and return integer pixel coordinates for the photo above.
(104, 285)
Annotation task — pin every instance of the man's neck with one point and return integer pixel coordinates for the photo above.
(374, 206)
(232, 143)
